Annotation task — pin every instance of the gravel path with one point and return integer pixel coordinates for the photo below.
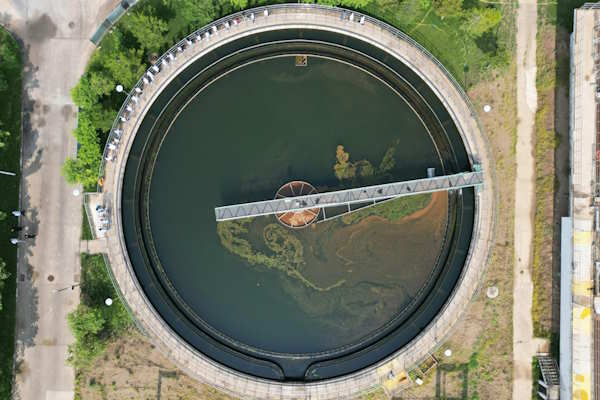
(524, 345)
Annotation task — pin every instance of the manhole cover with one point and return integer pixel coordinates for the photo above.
(50, 278)
(492, 292)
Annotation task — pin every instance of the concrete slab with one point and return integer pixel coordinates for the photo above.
(60, 395)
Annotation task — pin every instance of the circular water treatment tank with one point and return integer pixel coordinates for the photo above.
(287, 112)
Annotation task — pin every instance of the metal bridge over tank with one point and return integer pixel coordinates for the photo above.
(349, 197)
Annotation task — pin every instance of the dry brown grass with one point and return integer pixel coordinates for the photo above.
(130, 369)
(481, 363)
(551, 176)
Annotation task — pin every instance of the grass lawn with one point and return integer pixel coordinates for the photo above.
(86, 230)
(470, 60)
(551, 155)
(536, 375)
(10, 160)
(93, 323)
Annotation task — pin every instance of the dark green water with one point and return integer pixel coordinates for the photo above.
(239, 140)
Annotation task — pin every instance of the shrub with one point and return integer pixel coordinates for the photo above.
(4, 274)
(93, 323)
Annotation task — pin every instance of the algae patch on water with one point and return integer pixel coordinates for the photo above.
(390, 210)
(344, 169)
(285, 251)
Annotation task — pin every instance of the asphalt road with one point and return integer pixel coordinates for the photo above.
(54, 37)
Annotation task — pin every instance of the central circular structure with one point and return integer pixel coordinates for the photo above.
(297, 219)
(257, 111)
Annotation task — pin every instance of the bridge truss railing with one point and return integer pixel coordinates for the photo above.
(349, 197)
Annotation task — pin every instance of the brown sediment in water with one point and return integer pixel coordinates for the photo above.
(298, 219)
(355, 252)
(383, 265)
(436, 198)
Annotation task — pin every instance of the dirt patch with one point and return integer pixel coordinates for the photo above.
(132, 368)
(68, 112)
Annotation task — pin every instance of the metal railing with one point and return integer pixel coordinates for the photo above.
(457, 301)
(111, 20)
(251, 16)
(348, 197)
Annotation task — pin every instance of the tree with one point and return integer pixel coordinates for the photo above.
(240, 4)
(346, 3)
(147, 29)
(481, 20)
(194, 12)
(9, 54)
(118, 62)
(125, 67)
(2, 215)
(448, 8)
(3, 137)
(84, 169)
(86, 324)
(100, 116)
(91, 87)
(4, 274)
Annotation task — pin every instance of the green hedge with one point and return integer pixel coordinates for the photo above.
(11, 68)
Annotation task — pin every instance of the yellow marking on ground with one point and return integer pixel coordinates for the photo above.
(582, 320)
(396, 382)
(581, 387)
(582, 288)
(582, 237)
(581, 393)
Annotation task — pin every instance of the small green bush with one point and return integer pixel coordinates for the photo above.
(93, 323)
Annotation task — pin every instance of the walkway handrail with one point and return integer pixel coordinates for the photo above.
(251, 14)
(358, 195)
